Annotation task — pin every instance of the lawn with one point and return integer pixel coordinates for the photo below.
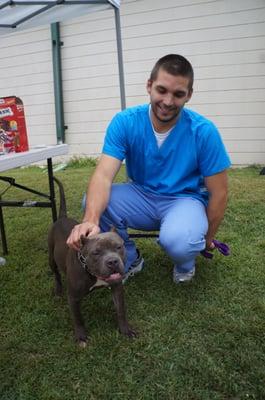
(203, 340)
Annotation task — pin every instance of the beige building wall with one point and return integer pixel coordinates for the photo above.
(224, 40)
(26, 72)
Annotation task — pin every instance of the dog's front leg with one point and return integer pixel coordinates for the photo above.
(119, 303)
(79, 328)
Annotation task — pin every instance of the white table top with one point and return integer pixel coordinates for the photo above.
(35, 154)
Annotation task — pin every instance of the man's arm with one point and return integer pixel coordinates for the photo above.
(217, 186)
(96, 199)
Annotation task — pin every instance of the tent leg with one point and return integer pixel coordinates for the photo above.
(57, 81)
(120, 58)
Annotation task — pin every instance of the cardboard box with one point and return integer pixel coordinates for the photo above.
(13, 132)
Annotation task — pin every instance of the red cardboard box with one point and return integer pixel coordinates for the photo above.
(13, 132)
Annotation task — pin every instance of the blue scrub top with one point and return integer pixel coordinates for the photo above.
(193, 150)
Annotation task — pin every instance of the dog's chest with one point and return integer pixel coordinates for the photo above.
(98, 284)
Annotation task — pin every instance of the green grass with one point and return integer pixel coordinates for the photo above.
(203, 340)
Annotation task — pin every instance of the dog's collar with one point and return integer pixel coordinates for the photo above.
(82, 261)
(99, 282)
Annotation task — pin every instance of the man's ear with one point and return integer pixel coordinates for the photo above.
(149, 86)
(189, 95)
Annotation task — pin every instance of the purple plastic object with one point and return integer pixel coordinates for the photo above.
(223, 248)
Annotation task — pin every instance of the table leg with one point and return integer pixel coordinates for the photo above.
(3, 233)
(52, 192)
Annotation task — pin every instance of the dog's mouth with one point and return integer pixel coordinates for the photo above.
(113, 278)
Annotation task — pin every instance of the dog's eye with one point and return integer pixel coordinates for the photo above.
(119, 247)
(95, 253)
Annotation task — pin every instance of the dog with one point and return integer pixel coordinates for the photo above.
(99, 263)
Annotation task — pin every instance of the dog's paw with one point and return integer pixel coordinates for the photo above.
(132, 333)
(82, 344)
(129, 332)
(81, 337)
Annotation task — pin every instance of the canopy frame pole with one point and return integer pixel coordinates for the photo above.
(57, 82)
(120, 58)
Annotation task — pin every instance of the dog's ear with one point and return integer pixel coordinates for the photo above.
(83, 240)
(113, 229)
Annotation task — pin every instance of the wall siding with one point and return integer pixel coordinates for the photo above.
(224, 40)
(26, 72)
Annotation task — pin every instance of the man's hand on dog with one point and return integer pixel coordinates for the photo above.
(84, 229)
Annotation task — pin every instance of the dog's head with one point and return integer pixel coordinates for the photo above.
(104, 256)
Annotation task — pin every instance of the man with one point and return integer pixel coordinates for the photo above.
(176, 164)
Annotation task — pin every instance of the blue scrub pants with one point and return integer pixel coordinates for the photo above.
(182, 222)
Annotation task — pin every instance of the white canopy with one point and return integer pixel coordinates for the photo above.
(16, 15)
(22, 14)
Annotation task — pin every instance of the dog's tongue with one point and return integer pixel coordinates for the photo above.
(113, 277)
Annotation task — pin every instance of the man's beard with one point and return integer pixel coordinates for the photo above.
(166, 119)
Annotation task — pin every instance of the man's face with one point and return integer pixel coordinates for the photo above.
(168, 95)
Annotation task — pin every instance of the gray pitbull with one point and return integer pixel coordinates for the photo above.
(99, 263)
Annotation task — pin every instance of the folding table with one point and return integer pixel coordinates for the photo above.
(14, 160)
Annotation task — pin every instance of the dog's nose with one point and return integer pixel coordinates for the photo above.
(113, 263)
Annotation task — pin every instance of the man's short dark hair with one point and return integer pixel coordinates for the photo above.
(174, 64)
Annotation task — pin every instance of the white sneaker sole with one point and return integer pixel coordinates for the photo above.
(184, 278)
(134, 271)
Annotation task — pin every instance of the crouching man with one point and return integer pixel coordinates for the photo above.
(176, 163)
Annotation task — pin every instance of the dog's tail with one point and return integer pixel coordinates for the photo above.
(62, 209)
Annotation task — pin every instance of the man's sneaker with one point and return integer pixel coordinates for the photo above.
(135, 267)
(179, 277)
